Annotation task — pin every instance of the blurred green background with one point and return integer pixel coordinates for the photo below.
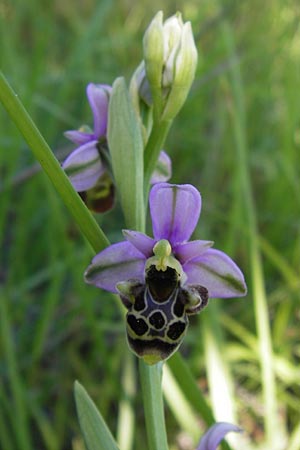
(237, 140)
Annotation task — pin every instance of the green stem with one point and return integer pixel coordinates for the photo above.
(86, 222)
(151, 382)
(154, 146)
(151, 377)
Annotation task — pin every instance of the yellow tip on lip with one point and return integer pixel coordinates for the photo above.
(151, 359)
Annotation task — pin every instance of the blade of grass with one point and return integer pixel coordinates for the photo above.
(218, 374)
(5, 434)
(126, 419)
(294, 443)
(180, 406)
(192, 392)
(218, 371)
(20, 412)
(258, 286)
(189, 386)
(97, 436)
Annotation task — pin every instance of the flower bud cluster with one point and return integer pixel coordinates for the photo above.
(170, 57)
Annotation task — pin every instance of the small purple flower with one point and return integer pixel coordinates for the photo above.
(87, 166)
(84, 165)
(215, 434)
(163, 279)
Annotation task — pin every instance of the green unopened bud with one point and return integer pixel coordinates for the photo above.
(182, 65)
(139, 87)
(153, 44)
(170, 57)
(172, 31)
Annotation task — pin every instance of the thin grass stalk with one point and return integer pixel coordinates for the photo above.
(218, 373)
(181, 408)
(258, 285)
(6, 440)
(191, 390)
(126, 419)
(20, 420)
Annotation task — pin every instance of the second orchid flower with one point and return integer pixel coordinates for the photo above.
(88, 166)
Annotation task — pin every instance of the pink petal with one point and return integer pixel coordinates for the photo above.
(84, 167)
(163, 169)
(118, 262)
(217, 272)
(189, 250)
(79, 137)
(175, 211)
(141, 242)
(98, 96)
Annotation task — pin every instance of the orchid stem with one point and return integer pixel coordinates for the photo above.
(151, 382)
(86, 222)
(154, 146)
(151, 378)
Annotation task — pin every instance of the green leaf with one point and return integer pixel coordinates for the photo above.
(126, 149)
(96, 434)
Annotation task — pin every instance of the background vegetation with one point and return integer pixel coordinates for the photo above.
(237, 140)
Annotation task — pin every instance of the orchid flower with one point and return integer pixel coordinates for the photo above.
(162, 280)
(88, 165)
(215, 434)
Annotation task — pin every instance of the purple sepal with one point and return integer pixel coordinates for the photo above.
(189, 250)
(83, 166)
(217, 272)
(140, 241)
(175, 211)
(79, 137)
(163, 169)
(98, 97)
(118, 262)
(211, 439)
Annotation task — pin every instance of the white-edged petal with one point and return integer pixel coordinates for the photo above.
(175, 210)
(163, 169)
(141, 241)
(118, 262)
(217, 272)
(84, 167)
